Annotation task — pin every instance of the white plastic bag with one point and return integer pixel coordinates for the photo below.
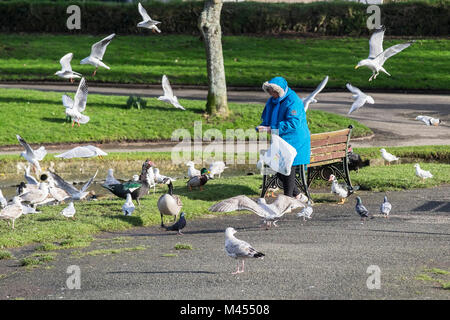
(280, 155)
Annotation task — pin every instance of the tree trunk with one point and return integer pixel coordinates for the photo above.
(209, 24)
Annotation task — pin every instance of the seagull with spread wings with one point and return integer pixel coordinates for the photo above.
(97, 52)
(147, 22)
(312, 97)
(66, 69)
(360, 98)
(74, 193)
(168, 94)
(378, 56)
(32, 156)
(83, 152)
(74, 108)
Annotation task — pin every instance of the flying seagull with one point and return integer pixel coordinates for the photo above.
(32, 156)
(66, 69)
(147, 22)
(74, 193)
(239, 249)
(97, 52)
(82, 152)
(269, 212)
(359, 97)
(429, 121)
(75, 108)
(312, 97)
(168, 94)
(377, 57)
(385, 207)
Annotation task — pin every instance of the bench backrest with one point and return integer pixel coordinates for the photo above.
(329, 147)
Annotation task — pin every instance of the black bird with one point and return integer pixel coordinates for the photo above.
(138, 188)
(177, 226)
(354, 160)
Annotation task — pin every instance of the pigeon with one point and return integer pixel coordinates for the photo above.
(12, 211)
(128, 207)
(32, 156)
(168, 94)
(217, 167)
(192, 172)
(423, 174)
(359, 97)
(66, 70)
(69, 211)
(385, 207)
(306, 212)
(377, 57)
(147, 22)
(239, 249)
(338, 189)
(74, 193)
(269, 212)
(82, 152)
(3, 201)
(361, 210)
(97, 52)
(75, 108)
(110, 178)
(312, 97)
(429, 121)
(29, 178)
(387, 156)
(179, 225)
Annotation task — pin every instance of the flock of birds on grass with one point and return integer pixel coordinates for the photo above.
(54, 189)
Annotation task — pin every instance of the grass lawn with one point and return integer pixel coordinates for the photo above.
(39, 118)
(53, 231)
(249, 61)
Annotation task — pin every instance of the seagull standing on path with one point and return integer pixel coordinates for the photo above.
(377, 57)
(97, 52)
(32, 156)
(147, 22)
(74, 108)
(359, 97)
(66, 69)
(239, 249)
(388, 156)
(168, 94)
(306, 212)
(312, 97)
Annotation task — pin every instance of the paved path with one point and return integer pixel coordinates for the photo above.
(392, 118)
(326, 257)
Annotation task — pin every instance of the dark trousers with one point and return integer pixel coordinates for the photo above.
(289, 185)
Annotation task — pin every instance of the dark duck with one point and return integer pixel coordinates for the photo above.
(138, 188)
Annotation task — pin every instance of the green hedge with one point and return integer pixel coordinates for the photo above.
(319, 18)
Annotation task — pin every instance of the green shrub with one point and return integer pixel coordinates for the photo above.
(136, 102)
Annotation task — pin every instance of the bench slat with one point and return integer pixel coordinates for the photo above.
(328, 156)
(325, 135)
(321, 163)
(328, 141)
(330, 148)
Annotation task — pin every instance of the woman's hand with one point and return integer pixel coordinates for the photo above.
(264, 129)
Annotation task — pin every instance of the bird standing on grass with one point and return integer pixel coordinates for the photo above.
(422, 174)
(69, 211)
(128, 207)
(199, 181)
(388, 156)
(239, 249)
(12, 211)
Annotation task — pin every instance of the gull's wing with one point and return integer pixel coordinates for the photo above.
(70, 189)
(358, 103)
(166, 87)
(239, 248)
(282, 203)
(40, 153)
(376, 43)
(78, 152)
(87, 184)
(353, 89)
(143, 12)
(311, 97)
(24, 144)
(238, 203)
(96, 151)
(65, 62)
(67, 101)
(81, 96)
(98, 49)
(30, 179)
(389, 52)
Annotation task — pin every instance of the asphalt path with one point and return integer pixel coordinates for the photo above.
(327, 257)
(392, 117)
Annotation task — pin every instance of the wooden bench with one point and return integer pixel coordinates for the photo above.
(328, 156)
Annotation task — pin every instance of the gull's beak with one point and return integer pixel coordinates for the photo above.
(356, 67)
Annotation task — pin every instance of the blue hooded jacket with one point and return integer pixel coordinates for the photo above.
(287, 114)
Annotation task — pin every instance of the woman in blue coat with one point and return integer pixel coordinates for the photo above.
(284, 114)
